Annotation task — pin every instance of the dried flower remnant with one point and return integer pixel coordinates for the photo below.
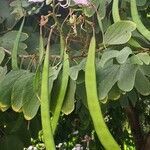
(43, 20)
(36, 1)
(77, 2)
(82, 2)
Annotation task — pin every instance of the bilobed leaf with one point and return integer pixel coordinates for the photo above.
(127, 75)
(5, 15)
(123, 55)
(69, 100)
(142, 84)
(74, 70)
(2, 54)
(18, 91)
(107, 78)
(4, 10)
(31, 107)
(7, 40)
(30, 101)
(6, 87)
(17, 9)
(119, 32)
(107, 55)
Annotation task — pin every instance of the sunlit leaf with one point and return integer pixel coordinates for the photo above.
(119, 32)
(123, 55)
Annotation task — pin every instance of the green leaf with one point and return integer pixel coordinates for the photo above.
(30, 101)
(54, 72)
(107, 78)
(89, 11)
(127, 75)
(136, 60)
(2, 54)
(102, 9)
(18, 91)
(5, 15)
(144, 57)
(107, 55)
(119, 32)
(145, 69)
(7, 40)
(4, 10)
(123, 55)
(69, 100)
(114, 93)
(7, 85)
(3, 71)
(142, 84)
(135, 43)
(17, 10)
(74, 70)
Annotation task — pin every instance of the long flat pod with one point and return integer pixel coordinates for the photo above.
(93, 104)
(115, 11)
(141, 28)
(63, 86)
(45, 110)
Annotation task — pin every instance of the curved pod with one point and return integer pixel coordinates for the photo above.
(93, 104)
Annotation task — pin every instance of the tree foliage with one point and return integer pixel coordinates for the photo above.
(68, 67)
